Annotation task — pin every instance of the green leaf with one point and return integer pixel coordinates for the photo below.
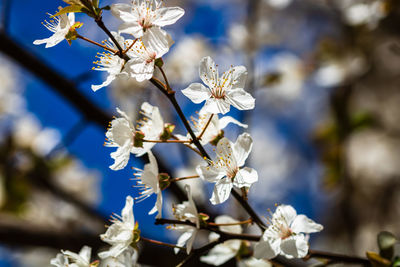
(69, 9)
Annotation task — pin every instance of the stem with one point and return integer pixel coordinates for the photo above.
(229, 224)
(168, 141)
(160, 243)
(337, 257)
(126, 50)
(183, 178)
(100, 23)
(205, 127)
(165, 78)
(96, 43)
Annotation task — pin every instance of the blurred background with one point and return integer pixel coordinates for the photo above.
(326, 127)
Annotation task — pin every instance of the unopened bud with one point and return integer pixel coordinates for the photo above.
(163, 180)
(167, 133)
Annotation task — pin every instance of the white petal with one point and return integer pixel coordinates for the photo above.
(121, 156)
(190, 242)
(239, 76)
(71, 18)
(127, 212)
(240, 99)
(287, 212)
(192, 206)
(216, 106)
(225, 219)
(302, 224)
(168, 15)
(218, 255)
(131, 28)
(267, 249)
(208, 72)
(242, 148)
(140, 69)
(109, 79)
(222, 190)
(209, 173)
(224, 121)
(157, 206)
(245, 177)
(157, 40)
(183, 239)
(294, 247)
(197, 93)
(124, 12)
(150, 173)
(85, 253)
(120, 132)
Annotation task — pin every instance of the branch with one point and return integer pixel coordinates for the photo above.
(337, 258)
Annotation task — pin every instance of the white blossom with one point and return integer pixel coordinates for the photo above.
(121, 134)
(214, 128)
(222, 92)
(60, 26)
(144, 54)
(120, 234)
(148, 182)
(146, 16)
(286, 235)
(187, 211)
(128, 258)
(71, 259)
(223, 252)
(226, 171)
(112, 63)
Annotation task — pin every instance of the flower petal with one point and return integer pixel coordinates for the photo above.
(218, 255)
(245, 177)
(287, 212)
(157, 206)
(140, 69)
(267, 249)
(209, 173)
(168, 15)
(224, 121)
(131, 28)
(121, 156)
(124, 12)
(302, 224)
(222, 190)
(197, 93)
(242, 148)
(239, 75)
(294, 247)
(225, 219)
(240, 99)
(208, 72)
(216, 106)
(157, 40)
(127, 212)
(107, 82)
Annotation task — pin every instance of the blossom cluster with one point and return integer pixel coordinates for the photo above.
(137, 58)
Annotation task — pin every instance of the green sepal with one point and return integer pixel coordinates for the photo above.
(167, 133)
(106, 8)
(138, 139)
(244, 250)
(159, 62)
(215, 141)
(163, 180)
(203, 218)
(69, 9)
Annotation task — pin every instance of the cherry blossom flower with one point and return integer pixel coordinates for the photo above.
(128, 258)
(286, 235)
(227, 170)
(222, 92)
(214, 129)
(187, 211)
(121, 134)
(144, 54)
(149, 183)
(146, 16)
(60, 26)
(71, 259)
(121, 234)
(111, 63)
(223, 252)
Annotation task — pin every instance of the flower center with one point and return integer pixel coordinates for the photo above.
(218, 92)
(151, 57)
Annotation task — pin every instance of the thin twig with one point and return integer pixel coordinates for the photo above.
(337, 257)
(165, 78)
(160, 243)
(205, 127)
(167, 141)
(183, 178)
(96, 43)
(198, 252)
(249, 221)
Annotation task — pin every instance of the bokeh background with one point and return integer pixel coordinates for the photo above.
(326, 127)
